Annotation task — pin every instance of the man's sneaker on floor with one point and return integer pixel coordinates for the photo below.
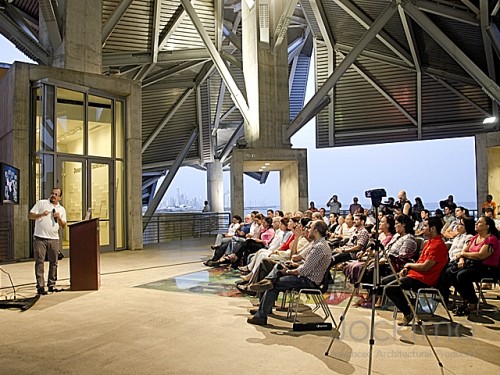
(261, 286)
(407, 320)
(41, 291)
(257, 321)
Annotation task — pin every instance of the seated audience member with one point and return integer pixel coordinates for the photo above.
(270, 213)
(279, 213)
(419, 228)
(387, 230)
(449, 203)
(489, 204)
(226, 248)
(355, 207)
(312, 207)
(252, 245)
(389, 207)
(489, 213)
(308, 214)
(348, 227)
(325, 218)
(479, 259)
(282, 233)
(465, 229)
(425, 272)
(316, 216)
(357, 242)
(332, 224)
(308, 275)
(226, 237)
(438, 213)
(265, 263)
(451, 232)
(417, 209)
(448, 217)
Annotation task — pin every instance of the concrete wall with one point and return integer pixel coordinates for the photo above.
(15, 88)
(488, 167)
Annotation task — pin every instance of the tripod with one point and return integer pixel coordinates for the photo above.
(376, 286)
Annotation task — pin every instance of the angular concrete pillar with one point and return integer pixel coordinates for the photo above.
(76, 43)
(266, 75)
(215, 186)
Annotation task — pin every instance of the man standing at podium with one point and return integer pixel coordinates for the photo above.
(49, 216)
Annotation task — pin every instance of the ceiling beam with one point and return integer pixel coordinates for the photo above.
(153, 205)
(144, 57)
(113, 20)
(282, 28)
(19, 18)
(372, 81)
(487, 84)
(488, 49)
(494, 35)
(232, 37)
(323, 91)
(171, 26)
(375, 57)
(447, 12)
(218, 107)
(25, 42)
(165, 73)
(324, 27)
(155, 32)
(171, 112)
(236, 94)
(228, 148)
(365, 21)
(462, 96)
(471, 6)
(143, 72)
(449, 76)
(219, 23)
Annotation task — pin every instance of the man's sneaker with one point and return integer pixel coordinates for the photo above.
(41, 291)
(261, 286)
(257, 321)
(407, 320)
(52, 289)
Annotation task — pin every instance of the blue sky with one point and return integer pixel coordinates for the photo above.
(429, 169)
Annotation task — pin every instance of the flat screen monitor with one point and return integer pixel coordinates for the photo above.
(9, 184)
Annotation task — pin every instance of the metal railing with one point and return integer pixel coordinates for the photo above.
(180, 225)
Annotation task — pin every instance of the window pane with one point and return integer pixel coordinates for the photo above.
(47, 131)
(70, 117)
(119, 129)
(44, 169)
(100, 117)
(119, 206)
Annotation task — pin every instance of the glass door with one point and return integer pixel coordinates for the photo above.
(101, 200)
(70, 178)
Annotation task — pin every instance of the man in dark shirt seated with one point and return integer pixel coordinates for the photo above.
(425, 272)
(357, 242)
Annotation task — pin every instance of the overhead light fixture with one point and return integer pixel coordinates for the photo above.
(490, 120)
(267, 163)
(261, 170)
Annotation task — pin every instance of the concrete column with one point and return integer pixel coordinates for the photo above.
(266, 78)
(215, 186)
(237, 188)
(81, 48)
(487, 167)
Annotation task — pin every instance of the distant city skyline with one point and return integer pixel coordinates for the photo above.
(428, 169)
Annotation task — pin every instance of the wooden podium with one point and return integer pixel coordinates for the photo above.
(84, 255)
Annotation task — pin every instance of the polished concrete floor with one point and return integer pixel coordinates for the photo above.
(135, 325)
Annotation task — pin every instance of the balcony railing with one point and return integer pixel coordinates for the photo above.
(180, 225)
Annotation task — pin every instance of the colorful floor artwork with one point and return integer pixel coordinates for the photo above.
(222, 282)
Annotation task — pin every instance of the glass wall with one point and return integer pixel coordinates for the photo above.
(78, 146)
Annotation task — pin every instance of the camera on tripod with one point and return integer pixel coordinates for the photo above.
(376, 196)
